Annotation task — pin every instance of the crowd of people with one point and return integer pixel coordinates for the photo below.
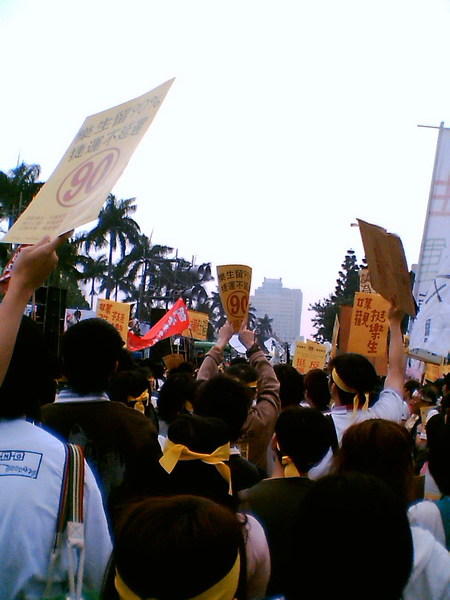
(231, 481)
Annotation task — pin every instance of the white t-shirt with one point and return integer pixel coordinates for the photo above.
(428, 516)
(31, 468)
(389, 406)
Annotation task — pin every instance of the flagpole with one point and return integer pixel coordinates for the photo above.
(427, 217)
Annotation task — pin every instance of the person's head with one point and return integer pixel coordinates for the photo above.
(363, 528)
(126, 386)
(303, 436)
(225, 398)
(175, 393)
(190, 475)
(381, 448)
(90, 353)
(291, 384)
(177, 548)
(29, 382)
(423, 397)
(184, 367)
(246, 374)
(409, 387)
(438, 443)
(446, 384)
(317, 391)
(351, 376)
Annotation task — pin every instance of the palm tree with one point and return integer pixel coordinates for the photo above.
(17, 189)
(263, 330)
(67, 275)
(94, 269)
(115, 228)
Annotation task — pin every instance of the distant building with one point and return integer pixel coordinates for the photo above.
(283, 305)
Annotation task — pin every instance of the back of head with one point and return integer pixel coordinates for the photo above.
(304, 435)
(90, 352)
(438, 442)
(243, 372)
(174, 394)
(224, 398)
(28, 383)
(317, 391)
(125, 385)
(428, 394)
(365, 530)
(291, 384)
(380, 448)
(353, 374)
(176, 548)
(201, 435)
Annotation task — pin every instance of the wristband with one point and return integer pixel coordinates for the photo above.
(252, 350)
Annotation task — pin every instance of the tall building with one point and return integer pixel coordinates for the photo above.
(283, 305)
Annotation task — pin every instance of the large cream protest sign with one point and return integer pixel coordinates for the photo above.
(369, 325)
(309, 355)
(117, 313)
(234, 289)
(389, 275)
(86, 174)
(198, 325)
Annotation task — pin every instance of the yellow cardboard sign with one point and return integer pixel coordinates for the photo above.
(369, 325)
(234, 289)
(117, 313)
(309, 355)
(198, 325)
(86, 174)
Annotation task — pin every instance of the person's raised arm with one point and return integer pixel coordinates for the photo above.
(214, 357)
(396, 370)
(30, 269)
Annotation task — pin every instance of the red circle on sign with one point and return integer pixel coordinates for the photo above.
(237, 304)
(87, 177)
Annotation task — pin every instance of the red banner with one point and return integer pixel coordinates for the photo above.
(174, 321)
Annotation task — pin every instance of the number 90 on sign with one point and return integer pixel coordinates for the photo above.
(237, 304)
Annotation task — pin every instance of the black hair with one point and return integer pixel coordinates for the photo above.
(429, 392)
(357, 372)
(438, 442)
(176, 547)
(304, 435)
(315, 382)
(362, 524)
(178, 389)
(90, 352)
(243, 372)
(291, 384)
(127, 383)
(28, 383)
(225, 398)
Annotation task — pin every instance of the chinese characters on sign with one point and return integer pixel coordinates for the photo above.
(309, 355)
(198, 325)
(234, 289)
(86, 174)
(117, 313)
(369, 325)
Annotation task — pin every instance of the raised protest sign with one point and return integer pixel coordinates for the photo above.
(86, 174)
(369, 325)
(234, 290)
(198, 325)
(309, 355)
(117, 313)
(389, 275)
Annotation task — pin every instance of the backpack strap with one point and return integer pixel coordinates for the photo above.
(334, 438)
(444, 508)
(70, 522)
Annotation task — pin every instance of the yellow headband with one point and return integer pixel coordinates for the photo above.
(345, 388)
(290, 470)
(175, 452)
(140, 400)
(225, 589)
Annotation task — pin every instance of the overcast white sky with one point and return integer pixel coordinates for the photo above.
(287, 119)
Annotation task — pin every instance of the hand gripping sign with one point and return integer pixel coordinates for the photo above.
(234, 289)
(86, 174)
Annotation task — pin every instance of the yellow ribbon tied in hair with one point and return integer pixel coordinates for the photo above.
(345, 388)
(290, 470)
(141, 401)
(175, 452)
(225, 589)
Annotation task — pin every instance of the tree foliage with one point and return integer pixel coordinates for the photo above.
(326, 309)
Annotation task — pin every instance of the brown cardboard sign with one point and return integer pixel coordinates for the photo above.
(389, 273)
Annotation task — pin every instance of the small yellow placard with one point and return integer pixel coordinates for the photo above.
(309, 355)
(198, 325)
(234, 289)
(117, 313)
(369, 325)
